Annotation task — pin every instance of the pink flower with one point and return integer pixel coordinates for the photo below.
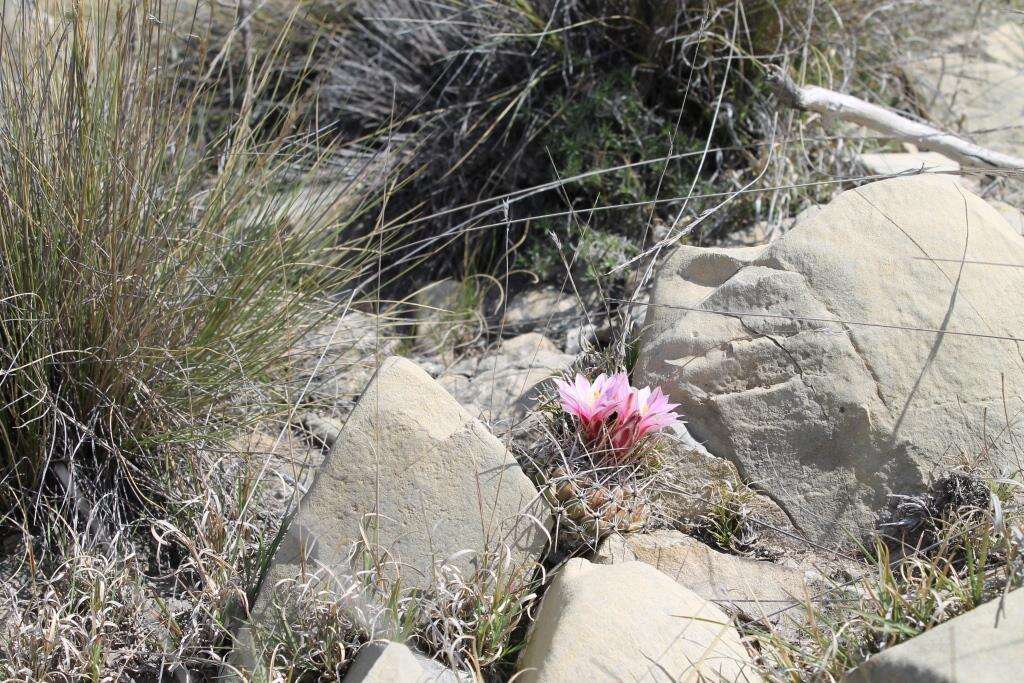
(593, 403)
(643, 411)
(613, 413)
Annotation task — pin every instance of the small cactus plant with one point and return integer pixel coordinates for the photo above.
(598, 463)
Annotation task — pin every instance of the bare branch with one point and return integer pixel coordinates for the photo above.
(833, 104)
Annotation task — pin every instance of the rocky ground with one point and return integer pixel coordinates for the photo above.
(843, 501)
(860, 356)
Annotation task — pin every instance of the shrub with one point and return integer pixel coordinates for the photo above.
(586, 116)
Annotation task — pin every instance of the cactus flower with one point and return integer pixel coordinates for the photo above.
(641, 412)
(593, 403)
(613, 412)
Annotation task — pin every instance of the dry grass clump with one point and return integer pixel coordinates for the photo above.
(313, 627)
(725, 520)
(468, 619)
(153, 286)
(75, 607)
(142, 298)
(972, 552)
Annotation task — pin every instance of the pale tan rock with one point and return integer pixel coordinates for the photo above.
(545, 310)
(412, 462)
(629, 622)
(891, 163)
(985, 645)
(753, 588)
(442, 316)
(416, 476)
(391, 662)
(895, 163)
(977, 86)
(832, 417)
(1012, 214)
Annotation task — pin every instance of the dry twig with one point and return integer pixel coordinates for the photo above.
(832, 104)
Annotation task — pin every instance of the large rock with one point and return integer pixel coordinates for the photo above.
(832, 417)
(629, 622)
(423, 476)
(755, 589)
(415, 475)
(985, 645)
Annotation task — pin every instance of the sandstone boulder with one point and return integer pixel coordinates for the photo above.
(629, 622)
(985, 645)
(414, 475)
(832, 417)
(892, 163)
(417, 472)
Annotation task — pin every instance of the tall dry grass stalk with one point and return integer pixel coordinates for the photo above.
(155, 283)
(152, 283)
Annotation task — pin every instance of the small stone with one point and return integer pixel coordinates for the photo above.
(440, 316)
(323, 429)
(629, 622)
(391, 662)
(545, 310)
(577, 339)
(501, 386)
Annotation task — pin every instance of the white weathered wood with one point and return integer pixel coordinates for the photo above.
(834, 104)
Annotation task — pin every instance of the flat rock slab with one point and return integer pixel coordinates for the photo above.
(891, 163)
(500, 386)
(546, 310)
(741, 585)
(629, 622)
(985, 645)
(827, 417)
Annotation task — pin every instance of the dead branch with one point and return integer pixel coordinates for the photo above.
(832, 104)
